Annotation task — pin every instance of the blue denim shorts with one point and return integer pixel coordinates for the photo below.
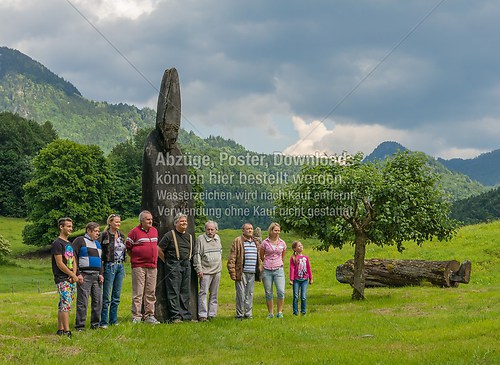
(278, 278)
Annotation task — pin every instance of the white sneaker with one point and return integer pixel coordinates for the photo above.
(151, 320)
(136, 320)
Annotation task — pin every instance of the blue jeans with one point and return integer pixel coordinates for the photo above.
(112, 287)
(278, 278)
(300, 286)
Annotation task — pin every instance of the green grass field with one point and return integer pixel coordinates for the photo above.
(410, 325)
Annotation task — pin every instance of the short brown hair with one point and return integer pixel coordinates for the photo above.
(91, 226)
(62, 221)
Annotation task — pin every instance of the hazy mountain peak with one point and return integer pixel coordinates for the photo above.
(385, 149)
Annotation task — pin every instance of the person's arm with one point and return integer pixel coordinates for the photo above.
(75, 266)
(60, 264)
(161, 255)
(197, 253)
(161, 246)
(262, 252)
(101, 272)
(308, 267)
(292, 270)
(231, 261)
(130, 241)
(76, 249)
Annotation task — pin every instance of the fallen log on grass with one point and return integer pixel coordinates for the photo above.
(396, 273)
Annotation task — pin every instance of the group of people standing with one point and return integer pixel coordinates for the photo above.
(251, 260)
(93, 266)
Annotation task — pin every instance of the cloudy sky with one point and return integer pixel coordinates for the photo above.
(294, 76)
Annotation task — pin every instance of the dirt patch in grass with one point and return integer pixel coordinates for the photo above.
(414, 311)
(40, 253)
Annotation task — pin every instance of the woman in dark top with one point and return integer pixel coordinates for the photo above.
(113, 256)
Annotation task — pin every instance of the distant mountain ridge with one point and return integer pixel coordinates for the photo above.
(484, 169)
(384, 150)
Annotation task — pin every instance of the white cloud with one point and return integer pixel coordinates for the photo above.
(315, 137)
(105, 9)
(12, 4)
(437, 141)
(455, 152)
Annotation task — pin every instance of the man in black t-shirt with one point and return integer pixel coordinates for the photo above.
(64, 267)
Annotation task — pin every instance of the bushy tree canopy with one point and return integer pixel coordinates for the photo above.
(360, 203)
(480, 208)
(69, 180)
(20, 140)
(126, 174)
(4, 248)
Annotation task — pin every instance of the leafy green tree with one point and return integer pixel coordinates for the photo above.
(69, 180)
(4, 248)
(15, 171)
(361, 203)
(199, 205)
(481, 208)
(20, 140)
(126, 174)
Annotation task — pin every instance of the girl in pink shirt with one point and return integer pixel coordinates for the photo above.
(300, 277)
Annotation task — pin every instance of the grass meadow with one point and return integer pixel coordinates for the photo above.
(410, 325)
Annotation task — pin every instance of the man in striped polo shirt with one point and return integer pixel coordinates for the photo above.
(88, 251)
(244, 268)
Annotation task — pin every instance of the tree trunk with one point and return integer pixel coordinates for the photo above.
(395, 273)
(358, 283)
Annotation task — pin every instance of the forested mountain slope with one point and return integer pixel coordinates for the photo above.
(29, 89)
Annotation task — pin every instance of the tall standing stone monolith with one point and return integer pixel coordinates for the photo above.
(164, 175)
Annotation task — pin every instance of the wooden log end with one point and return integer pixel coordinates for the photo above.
(340, 274)
(462, 275)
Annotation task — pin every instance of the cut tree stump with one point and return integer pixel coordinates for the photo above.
(396, 273)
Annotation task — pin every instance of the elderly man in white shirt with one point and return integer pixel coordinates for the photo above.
(207, 261)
